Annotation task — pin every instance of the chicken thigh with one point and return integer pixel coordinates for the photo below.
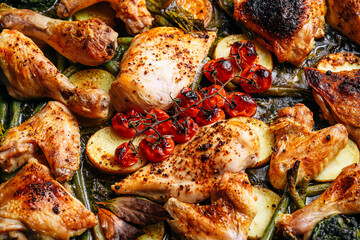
(89, 42)
(132, 12)
(295, 141)
(342, 197)
(228, 217)
(157, 65)
(55, 131)
(42, 204)
(31, 75)
(285, 27)
(194, 167)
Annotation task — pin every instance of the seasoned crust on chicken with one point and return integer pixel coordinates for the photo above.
(338, 95)
(89, 42)
(55, 131)
(157, 65)
(342, 197)
(42, 204)
(295, 141)
(31, 75)
(285, 27)
(194, 167)
(228, 216)
(132, 12)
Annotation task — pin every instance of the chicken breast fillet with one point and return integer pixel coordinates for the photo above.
(55, 131)
(285, 27)
(229, 215)
(342, 197)
(157, 65)
(42, 204)
(338, 95)
(132, 12)
(295, 141)
(193, 169)
(89, 42)
(31, 75)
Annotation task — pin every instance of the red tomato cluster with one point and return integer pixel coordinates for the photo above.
(253, 77)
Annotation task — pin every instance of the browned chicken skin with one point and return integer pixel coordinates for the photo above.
(228, 217)
(338, 95)
(55, 131)
(42, 204)
(286, 27)
(89, 42)
(295, 141)
(133, 12)
(31, 75)
(342, 197)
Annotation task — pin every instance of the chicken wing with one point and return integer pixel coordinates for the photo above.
(295, 141)
(193, 169)
(89, 42)
(229, 216)
(285, 27)
(132, 12)
(55, 131)
(338, 95)
(31, 75)
(342, 197)
(157, 65)
(42, 204)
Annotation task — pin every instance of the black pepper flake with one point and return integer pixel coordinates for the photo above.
(328, 137)
(117, 187)
(56, 210)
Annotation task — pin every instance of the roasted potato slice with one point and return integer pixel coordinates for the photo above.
(342, 61)
(101, 10)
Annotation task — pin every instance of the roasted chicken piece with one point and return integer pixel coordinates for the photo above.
(343, 15)
(43, 205)
(157, 65)
(295, 141)
(55, 131)
(31, 75)
(132, 12)
(193, 169)
(342, 197)
(338, 95)
(285, 27)
(89, 42)
(229, 216)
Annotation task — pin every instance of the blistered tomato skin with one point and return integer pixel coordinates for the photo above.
(156, 149)
(186, 98)
(259, 79)
(207, 117)
(184, 129)
(218, 71)
(244, 53)
(123, 123)
(158, 115)
(240, 104)
(217, 100)
(125, 156)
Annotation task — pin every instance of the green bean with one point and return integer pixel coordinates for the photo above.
(71, 70)
(4, 108)
(61, 61)
(125, 40)
(285, 92)
(99, 233)
(317, 189)
(15, 109)
(112, 66)
(39, 107)
(199, 74)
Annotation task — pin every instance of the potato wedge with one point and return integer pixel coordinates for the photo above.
(222, 50)
(266, 203)
(347, 156)
(100, 10)
(339, 62)
(100, 150)
(266, 137)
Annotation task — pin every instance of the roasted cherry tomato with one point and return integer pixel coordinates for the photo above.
(210, 116)
(184, 129)
(216, 100)
(188, 97)
(156, 149)
(157, 115)
(125, 123)
(244, 53)
(220, 70)
(125, 156)
(258, 79)
(240, 104)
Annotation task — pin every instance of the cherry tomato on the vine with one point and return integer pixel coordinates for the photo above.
(157, 115)
(219, 70)
(207, 117)
(216, 100)
(244, 53)
(187, 98)
(258, 79)
(240, 104)
(125, 156)
(184, 129)
(156, 149)
(124, 123)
